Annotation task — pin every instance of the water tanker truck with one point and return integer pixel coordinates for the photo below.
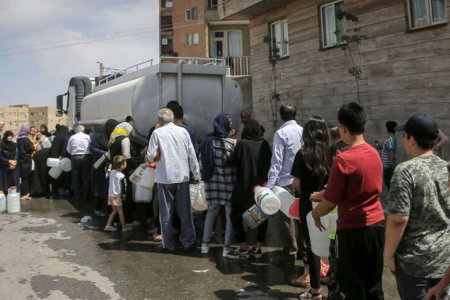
(203, 90)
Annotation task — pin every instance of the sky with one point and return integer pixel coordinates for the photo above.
(43, 43)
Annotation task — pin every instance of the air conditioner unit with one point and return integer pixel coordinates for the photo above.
(164, 41)
(169, 4)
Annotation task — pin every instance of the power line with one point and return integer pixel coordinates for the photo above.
(162, 27)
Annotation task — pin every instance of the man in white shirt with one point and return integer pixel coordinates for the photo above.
(172, 145)
(78, 148)
(286, 142)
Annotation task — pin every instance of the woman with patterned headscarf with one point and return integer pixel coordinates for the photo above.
(25, 148)
(219, 178)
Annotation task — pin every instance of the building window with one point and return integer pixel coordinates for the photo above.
(188, 39)
(280, 37)
(423, 13)
(195, 38)
(187, 14)
(194, 13)
(332, 29)
(212, 3)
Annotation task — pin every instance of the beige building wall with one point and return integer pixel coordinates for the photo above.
(404, 72)
(14, 117)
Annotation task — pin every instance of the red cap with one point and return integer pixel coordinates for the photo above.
(256, 186)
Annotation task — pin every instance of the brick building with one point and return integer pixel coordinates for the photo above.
(192, 28)
(404, 61)
(15, 116)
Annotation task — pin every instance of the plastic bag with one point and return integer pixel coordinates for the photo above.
(136, 176)
(198, 199)
(141, 195)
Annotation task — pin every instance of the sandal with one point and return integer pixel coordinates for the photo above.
(300, 281)
(309, 295)
(110, 229)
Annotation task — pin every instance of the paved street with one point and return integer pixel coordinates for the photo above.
(45, 254)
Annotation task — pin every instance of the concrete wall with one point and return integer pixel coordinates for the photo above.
(404, 72)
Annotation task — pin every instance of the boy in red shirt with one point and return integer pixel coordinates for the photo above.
(354, 184)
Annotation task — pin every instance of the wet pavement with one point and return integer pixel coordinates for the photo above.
(46, 254)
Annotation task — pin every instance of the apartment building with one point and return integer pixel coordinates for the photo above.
(192, 28)
(15, 116)
(404, 60)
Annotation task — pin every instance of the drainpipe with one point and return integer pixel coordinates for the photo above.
(179, 83)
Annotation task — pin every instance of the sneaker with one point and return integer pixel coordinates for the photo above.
(134, 224)
(204, 248)
(127, 229)
(256, 252)
(226, 251)
(110, 229)
(239, 253)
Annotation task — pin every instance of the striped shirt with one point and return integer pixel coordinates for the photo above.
(389, 144)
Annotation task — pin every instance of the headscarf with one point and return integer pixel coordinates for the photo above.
(61, 135)
(24, 132)
(45, 133)
(9, 146)
(251, 131)
(123, 129)
(222, 128)
(100, 141)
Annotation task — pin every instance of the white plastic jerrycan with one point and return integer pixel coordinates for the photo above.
(287, 202)
(320, 240)
(2, 202)
(148, 177)
(267, 200)
(13, 200)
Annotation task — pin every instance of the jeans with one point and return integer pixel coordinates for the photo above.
(213, 210)
(414, 288)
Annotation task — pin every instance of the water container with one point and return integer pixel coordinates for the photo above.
(320, 240)
(266, 199)
(46, 143)
(294, 209)
(287, 201)
(148, 178)
(2, 202)
(13, 200)
(254, 216)
(55, 172)
(66, 164)
(53, 162)
(100, 161)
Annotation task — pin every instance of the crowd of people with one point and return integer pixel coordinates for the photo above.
(330, 167)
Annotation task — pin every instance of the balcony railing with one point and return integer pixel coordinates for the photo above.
(131, 69)
(238, 65)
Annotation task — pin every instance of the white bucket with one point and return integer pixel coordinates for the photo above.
(66, 164)
(55, 172)
(320, 240)
(141, 195)
(148, 178)
(100, 161)
(46, 144)
(266, 199)
(2, 202)
(53, 162)
(13, 201)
